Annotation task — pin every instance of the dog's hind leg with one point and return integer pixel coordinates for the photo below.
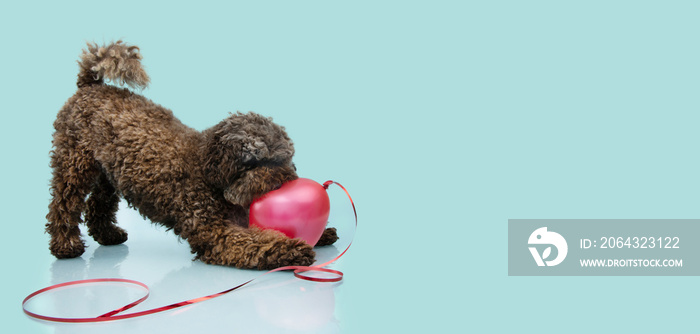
(74, 174)
(100, 214)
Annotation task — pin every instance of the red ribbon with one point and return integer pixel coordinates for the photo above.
(114, 315)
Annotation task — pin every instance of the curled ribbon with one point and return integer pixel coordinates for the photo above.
(114, 315)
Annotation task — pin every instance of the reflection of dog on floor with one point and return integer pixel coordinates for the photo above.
(111, 142)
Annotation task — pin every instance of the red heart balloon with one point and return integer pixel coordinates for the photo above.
(299, 209)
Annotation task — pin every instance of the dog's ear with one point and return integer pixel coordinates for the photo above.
(219, 161)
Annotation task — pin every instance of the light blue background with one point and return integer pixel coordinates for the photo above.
(444, 119)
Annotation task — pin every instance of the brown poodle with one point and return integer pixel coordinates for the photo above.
(111, 142)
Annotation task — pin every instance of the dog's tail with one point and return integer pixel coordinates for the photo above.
(116, 62)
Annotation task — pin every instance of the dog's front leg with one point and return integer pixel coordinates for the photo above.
(329, 237)
(250, 248)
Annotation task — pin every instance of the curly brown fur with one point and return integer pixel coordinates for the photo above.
(110, 142)
(329, 237)
(117, 62)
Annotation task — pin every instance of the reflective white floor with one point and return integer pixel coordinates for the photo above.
(276, 303)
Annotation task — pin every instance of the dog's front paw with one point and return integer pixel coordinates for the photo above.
(288, 252)
(329, 237)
